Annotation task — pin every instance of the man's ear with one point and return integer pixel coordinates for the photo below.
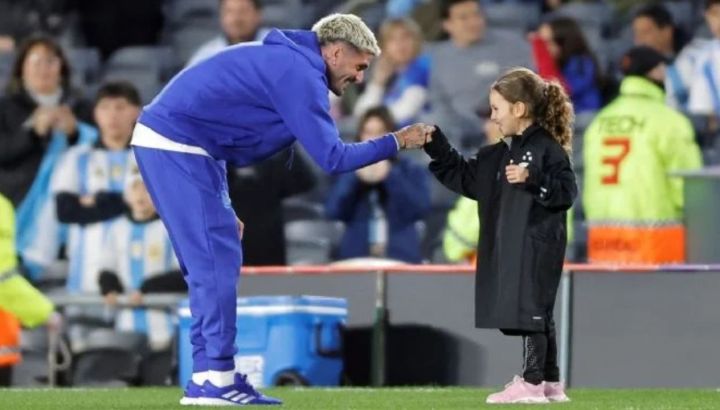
(331, 52)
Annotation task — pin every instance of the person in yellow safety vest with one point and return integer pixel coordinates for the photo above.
(462, 232)
(634, 209)
(20, 302)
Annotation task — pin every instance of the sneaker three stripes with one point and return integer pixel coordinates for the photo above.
(237, 397)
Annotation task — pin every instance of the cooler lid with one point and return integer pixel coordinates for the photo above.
(276, 305)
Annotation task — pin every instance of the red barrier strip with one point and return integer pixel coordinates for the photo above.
(459, 269)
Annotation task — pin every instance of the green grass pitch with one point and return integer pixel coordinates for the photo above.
(410, 398)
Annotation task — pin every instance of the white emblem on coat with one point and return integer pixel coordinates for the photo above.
(526, 159)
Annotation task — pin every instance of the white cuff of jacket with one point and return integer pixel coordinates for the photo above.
(397, 141)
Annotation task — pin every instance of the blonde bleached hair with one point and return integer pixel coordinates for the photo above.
(547, 102)
(347, 28)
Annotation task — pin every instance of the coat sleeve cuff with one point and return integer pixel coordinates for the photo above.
(438, 146)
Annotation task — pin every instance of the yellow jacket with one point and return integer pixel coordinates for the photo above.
(633, 208)
(17, 296)
(462, 233)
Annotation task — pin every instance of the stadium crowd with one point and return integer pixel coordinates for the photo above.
(642, 77)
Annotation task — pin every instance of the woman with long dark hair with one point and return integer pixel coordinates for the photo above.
(562, 53)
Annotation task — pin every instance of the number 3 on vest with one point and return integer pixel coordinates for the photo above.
(614, 160)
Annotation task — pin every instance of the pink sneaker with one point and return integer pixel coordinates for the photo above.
(519, 391)
(555, 391)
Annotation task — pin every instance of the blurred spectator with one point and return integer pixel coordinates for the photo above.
(39, 103)
(267, 184)
(240, 22)
(633, 208)
(20, 303)
(462, 232)
(425, 12)
(89, 182)
(704, 96)
(110, 24)
(562, 53)
(653, 26)
(137, 259)
(39, 118)
(463, 68)
(381, 203)
(404, 8)
(400, 75)
(7, 43)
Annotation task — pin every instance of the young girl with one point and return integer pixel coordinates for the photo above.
(524, 185)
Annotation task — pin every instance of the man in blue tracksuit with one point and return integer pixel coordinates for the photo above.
(241, 106)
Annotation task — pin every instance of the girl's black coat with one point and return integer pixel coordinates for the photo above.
(522, 246)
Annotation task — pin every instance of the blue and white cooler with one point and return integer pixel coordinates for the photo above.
(280, 340)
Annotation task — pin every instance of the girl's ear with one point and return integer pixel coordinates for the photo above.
(519, 109)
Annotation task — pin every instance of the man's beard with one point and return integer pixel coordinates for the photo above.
(335, 91)
(331, 83)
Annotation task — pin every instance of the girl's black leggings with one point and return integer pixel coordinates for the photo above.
(540, 355)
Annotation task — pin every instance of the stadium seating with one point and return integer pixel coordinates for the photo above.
(108, 358)
(146, 67)
(32, 371)
(310, 242)
(513, 16)
(156, 59)
(180, 12)
(283, 13)
(85, 64)
(683, 14)
(186, 40)
(146, 82)
(298, 209)
(591, 13)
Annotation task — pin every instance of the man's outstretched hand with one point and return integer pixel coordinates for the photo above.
(414, 136)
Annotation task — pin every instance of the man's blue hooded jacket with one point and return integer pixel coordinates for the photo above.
(254, 99)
